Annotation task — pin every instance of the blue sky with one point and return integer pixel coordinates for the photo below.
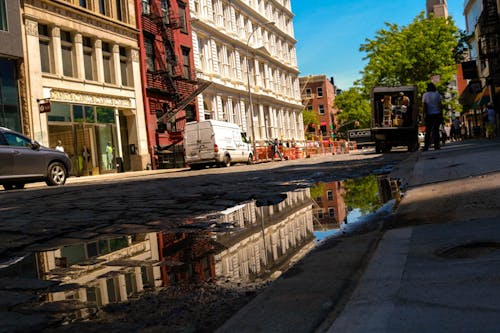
(329, 32)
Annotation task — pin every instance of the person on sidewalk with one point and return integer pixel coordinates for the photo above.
(490, 125)
(432, 110)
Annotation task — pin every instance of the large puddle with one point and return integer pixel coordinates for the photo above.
(67, 280)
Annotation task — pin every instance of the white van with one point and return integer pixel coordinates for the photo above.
(213, 142)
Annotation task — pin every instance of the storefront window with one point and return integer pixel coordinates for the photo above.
(89, 114)
(59, 112)
(105, 115)
(9, 98)
(78, 113)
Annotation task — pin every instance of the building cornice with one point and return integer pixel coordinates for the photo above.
(79, 15)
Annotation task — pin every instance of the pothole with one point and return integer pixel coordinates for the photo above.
(469, 250)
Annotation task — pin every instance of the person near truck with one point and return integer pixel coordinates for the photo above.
(432, 109)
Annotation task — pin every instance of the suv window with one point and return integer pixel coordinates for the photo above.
(16, 140)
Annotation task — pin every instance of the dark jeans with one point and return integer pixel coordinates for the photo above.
(432, 123)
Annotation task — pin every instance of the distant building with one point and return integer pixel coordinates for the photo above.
(318, 95)
(437, 7)
(247, 50)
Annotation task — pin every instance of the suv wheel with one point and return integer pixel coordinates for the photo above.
(56, 174)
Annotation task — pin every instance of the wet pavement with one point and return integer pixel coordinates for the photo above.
(72, 253)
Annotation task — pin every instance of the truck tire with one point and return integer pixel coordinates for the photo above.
(250, 159)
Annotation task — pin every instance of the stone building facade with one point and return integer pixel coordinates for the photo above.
(83, 57)
(246, 48)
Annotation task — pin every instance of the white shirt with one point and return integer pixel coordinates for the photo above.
(60, 148)
(433, 101)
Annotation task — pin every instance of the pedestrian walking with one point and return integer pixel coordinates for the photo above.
(59, 146)
(432, 111)
(490, 125)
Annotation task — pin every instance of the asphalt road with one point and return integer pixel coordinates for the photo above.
(141, 201)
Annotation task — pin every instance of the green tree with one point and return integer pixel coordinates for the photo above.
(354, 109)
(362, 193)
(310, 119)
(411, 55)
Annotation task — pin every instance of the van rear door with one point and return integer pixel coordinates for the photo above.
(206, 140)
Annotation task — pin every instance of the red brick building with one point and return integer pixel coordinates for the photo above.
(168, 75)
(331, 210)
(318, 94)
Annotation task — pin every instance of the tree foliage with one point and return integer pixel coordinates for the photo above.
(353, 106)
(411, 55)
(362, 194)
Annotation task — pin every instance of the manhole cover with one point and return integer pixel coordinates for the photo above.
(470, 250)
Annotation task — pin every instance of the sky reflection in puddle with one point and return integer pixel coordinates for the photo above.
(250, 242)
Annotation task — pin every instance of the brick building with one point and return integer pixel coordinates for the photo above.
(318, 95)
(169, 81)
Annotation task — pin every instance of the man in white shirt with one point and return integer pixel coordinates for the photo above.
(432, 110)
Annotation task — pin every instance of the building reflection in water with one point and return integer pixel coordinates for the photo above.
(240, 244)
(342, 203)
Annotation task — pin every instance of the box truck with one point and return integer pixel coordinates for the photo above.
(213, 142)
(394, 118)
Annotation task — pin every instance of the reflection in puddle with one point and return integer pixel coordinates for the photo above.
(345, 206)
(248, 243)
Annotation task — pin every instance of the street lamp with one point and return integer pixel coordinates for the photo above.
(249, 90)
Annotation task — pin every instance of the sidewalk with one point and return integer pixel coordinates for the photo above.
(434, 269)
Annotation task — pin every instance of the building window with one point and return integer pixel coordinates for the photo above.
(150, 54)
(308, 92)
(88, 58)
(185, 63)
(321, 109)
(44, 43)
(182, 18)
(319, 90)
(67, 53)
(309, 108)
(164, 11)
(331, 212)
(124, 65)
(320, 214)
(3, 16)
(146, 7)
(102, 7)
(106, 61)
(329, 195)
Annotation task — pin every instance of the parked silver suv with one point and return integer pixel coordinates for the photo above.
(23, 160)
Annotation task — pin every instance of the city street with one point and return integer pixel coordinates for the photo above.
(47, 220)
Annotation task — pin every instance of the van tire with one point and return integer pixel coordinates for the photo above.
(226, 161)
(250, 159)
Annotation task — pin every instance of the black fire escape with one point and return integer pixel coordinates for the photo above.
(489, 43)
(177, 86)
(175, 83)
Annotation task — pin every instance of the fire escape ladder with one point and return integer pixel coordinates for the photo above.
(170, 114)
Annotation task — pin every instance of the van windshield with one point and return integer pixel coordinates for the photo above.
(244, 138)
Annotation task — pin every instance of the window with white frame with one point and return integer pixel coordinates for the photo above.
(321, 109)
(44, 44)
(67, 53)
(146, 7)
(308, 92)
(331, 212)
(329, 195)
(320, 214)
(319, 91)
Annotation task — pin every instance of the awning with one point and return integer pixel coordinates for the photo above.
(469, 94)
(483, 97)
